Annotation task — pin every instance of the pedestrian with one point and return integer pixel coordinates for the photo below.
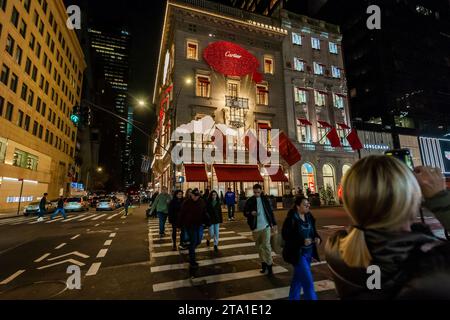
(230, 201)
(184, 237)
(127, 204)
(214, 209)
(150, 212)
(206, 195)
(193, 216)
(222, 198)
(308, 193)
(382, 196)
(161, 206)
(174, 212)
(300, 239)
(42, 208)
(261, 221)
(59, 208)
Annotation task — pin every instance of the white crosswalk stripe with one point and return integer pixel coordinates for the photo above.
(169, 244)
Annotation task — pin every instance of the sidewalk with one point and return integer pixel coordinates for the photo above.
(5, 215)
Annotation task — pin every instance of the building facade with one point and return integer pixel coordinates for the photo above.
(42, 68)
(298, 88)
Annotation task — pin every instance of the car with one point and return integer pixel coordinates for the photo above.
(76, 204)
(106, 204)
(93, 201)
(33, 208)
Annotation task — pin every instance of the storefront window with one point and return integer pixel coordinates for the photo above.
(329, 177)
(309, 177)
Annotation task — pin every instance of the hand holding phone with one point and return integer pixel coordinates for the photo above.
(431, 181)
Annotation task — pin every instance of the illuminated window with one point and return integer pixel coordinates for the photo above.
(336, 72)
(296, 39)
(320, 98)
(264, 133)
(233, 89)
(299, 64)
(25, 160)
(338, 101)
(319, 69)
(192, 50)
(262, 94)
(315, 42)
(300, 95)
(268, 65)
(303, 131)
(333, 48)
(203, 86)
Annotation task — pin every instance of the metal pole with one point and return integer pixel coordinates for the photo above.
(20, 197)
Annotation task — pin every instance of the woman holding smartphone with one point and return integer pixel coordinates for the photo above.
(300, 235)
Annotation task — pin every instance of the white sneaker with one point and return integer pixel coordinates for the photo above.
(40, 219)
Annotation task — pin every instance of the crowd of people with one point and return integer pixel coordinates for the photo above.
(382, 197)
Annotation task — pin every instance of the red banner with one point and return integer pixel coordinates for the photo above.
(288, 150)
(334, 138)
(354, 141)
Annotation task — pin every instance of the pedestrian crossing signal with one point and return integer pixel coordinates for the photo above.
(75, 116)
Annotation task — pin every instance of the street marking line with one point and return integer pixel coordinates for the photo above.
(70, 261)
(112, 235)
(169, 244)
(75, 217)
(280, 293)
(60, 246)
(93, 269)
(213, 279)
(85, 256)
(170, 238)
(102, 253)
(333, 226)
(107, 243)
(97, 225)
(42, 257)
(74, 237)
(56, 220)
(114, 215)
(88, 217)
(207, 262)
(12, 277)
(98, 217)
(37, 222)
(230, 246)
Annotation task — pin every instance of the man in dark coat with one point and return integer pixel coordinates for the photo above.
(42, 207)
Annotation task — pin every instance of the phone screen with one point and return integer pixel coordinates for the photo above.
(404, 155)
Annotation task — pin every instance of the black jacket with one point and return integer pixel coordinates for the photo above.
(193, 214)
(409, 270)
(43, 204)
(251, 205)
(174, 210)
(294, 239)
(214, 212)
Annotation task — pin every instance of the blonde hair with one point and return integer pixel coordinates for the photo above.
(379, 192)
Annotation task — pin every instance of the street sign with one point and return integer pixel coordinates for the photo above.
(181, 179)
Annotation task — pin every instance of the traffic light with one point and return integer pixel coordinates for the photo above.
(75, 117)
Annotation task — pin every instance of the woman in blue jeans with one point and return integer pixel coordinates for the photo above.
(300, 236)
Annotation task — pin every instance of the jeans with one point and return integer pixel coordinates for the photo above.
(41, 213)
(230, 211)
(174, 234)
(195, 238)
(126, 210)
(302, 278)
(63, 213)
(262, 243)
(214, 233)
(162, 222)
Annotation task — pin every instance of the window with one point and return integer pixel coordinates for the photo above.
(38, 50)
(303, 132)
(333, 47)
(4, 76)
(28, 66)
(233, 88)
(262, 94)
(203, 86)
(15, 17)
(26, 5)
(25, 160)
(14, 82)
(44, 109)
(336, 72)
(10, 45)
(27, 123)
(338, 101)
(268, 65)
(299, 64)
(3, 4)
(319, 69)
(264, 133)
(20, 119)
(35, 128)
(300, 95)
(41, 131)
(320, 98)
(9, 111)
(18, 56)
(31, 98)
(32, 41)
(315, 43)
(34, 74)
(296, 39)
(24, 92)
(192, 50)
(23, 29)
(2, 104)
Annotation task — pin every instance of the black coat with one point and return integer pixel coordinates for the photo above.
(251, 205)
(408, 269)
(294, 240)
(174, 210)
(214, 212)
(193, 214)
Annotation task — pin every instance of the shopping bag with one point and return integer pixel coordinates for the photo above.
(277, 243)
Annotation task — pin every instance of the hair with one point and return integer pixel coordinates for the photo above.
(298, 201)
(381, 193)
(177, 192)
(211, 194)
(257, 186)
(46, 194)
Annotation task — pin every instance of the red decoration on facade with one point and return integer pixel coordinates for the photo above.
(354, 141)
(334, 139)
(232, 60)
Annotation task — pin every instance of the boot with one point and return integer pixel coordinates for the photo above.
(263, 267)
(269, 269)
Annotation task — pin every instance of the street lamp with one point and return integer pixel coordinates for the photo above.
(99, 169)
(141, 103)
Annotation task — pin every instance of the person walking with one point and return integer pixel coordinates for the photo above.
(161, 206)
(214, 209)
(261, 221)
(59, 208)
(412, 262)
(184, 237)
(42, 208)
(127, 205)
(230, 201)
(174, 212)
(193, 216)
(300, 247)
(151, 212)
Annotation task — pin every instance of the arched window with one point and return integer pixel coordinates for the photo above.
(309, 177)
(345, 168)
(329, 178)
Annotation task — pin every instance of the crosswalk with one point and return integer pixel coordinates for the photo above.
(232, 273)
(71, 218)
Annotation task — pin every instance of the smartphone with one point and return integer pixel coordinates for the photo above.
(404, 155)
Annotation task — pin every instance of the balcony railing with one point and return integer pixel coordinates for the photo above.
(236, 102)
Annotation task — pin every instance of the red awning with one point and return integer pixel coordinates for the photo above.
(264, 126)
(305, 122)
(324, 124)
(237, 173)
(279, 176)
(195, 173)
(343, 126)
